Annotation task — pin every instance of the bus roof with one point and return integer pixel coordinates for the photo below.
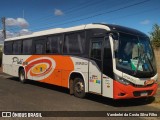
(59, 30)
(125, 30)
(108, 27)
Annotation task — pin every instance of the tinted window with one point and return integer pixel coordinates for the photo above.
(74, 43)
(17, 47)
(27, 47)
(96, 49)
(39, 46)
(107, 59)
(53, 44)
(107, 49)
(8, 47)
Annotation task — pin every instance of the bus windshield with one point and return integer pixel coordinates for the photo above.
(135, 56)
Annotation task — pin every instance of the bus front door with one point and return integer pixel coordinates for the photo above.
(95, 65)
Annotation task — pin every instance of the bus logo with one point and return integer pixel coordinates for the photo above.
(40, 67)
(17, 60)
(149, 82)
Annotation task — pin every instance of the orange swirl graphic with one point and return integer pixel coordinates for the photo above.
(39, 68)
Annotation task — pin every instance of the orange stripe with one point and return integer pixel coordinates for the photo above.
(60, 75)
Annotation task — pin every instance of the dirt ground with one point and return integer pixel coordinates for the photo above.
(157, 55)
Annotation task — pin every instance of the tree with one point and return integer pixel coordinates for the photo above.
(155, 36)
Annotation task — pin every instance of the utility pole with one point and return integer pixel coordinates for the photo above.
(4, 27)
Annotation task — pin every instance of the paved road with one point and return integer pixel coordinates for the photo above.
(35, 96)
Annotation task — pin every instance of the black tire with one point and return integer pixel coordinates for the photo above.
(79, 88)
(22, 78)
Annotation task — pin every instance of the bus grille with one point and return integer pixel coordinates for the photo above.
(138, 93)
(141, 86)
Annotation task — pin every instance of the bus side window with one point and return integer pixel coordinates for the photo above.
(107, 49)
(8, 48)
(39, 46)
(27, 47)
(107, 59)
(74, 43)
(53, 44)
(96, 50)
(17, 47)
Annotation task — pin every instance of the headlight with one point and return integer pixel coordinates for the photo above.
(122, 80)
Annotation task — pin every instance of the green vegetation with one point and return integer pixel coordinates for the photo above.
(155, 40)
(155, 36)
(1, 48)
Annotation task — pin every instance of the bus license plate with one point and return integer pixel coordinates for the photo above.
(144, 94)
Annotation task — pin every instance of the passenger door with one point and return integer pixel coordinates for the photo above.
(95, 65)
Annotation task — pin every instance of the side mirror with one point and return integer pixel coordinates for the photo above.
(115, 46)
(115, 37)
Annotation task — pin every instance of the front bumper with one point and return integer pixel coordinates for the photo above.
(121, 91)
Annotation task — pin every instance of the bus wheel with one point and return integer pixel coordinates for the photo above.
(22, 76)
(78, 88)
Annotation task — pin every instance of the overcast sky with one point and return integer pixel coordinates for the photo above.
(27, 16)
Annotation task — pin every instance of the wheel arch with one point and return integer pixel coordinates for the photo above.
(73, 75)
(20, 68)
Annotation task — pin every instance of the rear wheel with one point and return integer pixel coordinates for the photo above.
(22, 76)
(79, 88)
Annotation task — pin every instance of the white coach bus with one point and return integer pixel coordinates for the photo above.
(110, 60)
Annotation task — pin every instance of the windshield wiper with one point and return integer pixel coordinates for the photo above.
(140, 59)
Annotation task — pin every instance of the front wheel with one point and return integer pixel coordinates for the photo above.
(22, 76)
(79, 88)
